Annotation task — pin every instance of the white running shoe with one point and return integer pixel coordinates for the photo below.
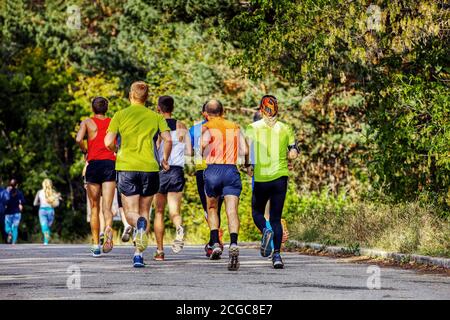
(178, 243)
(233, 262)
(126, 235)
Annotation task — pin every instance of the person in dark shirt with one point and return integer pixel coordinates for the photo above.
(4, 197)
(13, 212)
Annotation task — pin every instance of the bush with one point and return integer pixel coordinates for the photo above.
(410, 227)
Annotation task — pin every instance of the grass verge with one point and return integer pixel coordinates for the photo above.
(410, 228)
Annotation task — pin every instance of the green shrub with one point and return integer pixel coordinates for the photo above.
(410, 227)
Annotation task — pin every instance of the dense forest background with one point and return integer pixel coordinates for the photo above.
(364, 83)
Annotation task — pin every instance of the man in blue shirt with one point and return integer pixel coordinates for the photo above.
(13, 212)
(4, 197)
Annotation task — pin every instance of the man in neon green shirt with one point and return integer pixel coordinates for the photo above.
(136, 165)
(272, 143)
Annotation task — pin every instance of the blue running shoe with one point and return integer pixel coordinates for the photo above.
(277, 261)
(96, 251)
(141, 237)
(138, 261)
(266, 248)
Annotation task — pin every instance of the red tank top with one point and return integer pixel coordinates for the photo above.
(96, 146)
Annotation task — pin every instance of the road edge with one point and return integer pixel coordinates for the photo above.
(373, 253)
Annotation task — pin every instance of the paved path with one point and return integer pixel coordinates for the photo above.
(38, 272)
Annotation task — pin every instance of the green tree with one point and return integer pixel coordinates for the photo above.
(395, 54)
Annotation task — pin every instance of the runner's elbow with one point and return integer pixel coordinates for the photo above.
(168, 142)
(293, 154)
(110, 147)
(167, 139)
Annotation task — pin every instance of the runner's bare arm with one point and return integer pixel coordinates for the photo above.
(188, 150)
(292, 146)
(80, 136)
(243, 146)
(205, 139)
(36, 200)
(293, 154)
(110, 141)
(165, 135)
(21, 202)
(183, 137)
(181, 131)
(158, 141)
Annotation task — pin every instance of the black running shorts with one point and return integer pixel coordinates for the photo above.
(99, 171)
(130, 183)
(172, 180)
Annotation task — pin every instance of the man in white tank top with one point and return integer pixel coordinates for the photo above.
(172, 181)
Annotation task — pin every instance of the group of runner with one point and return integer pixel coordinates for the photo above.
(140, 155)
(12, 203)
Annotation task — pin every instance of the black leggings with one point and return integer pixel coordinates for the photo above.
(275, 191)
(201, 192)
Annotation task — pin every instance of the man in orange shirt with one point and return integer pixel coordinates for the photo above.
(222, 145)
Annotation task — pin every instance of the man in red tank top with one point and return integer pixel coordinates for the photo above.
(100, 172)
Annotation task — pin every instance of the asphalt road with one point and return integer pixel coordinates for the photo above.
(38, 272)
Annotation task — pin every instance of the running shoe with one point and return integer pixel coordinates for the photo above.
(208, 250)
(9, 238)
(46, 238)
(141, 238)
(277, 261)
(126, 235)
(138, 261)
(178, 243)
(159, 255)
(216, 252)
(102, 238)
(266, 248)
(96, 251)
(233, 262)
(108, 240)
(285, 231)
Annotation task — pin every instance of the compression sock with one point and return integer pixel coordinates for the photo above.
(233, 238)
(214, 237)
(269, 227)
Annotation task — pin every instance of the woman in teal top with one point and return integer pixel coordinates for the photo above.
(47, 199)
